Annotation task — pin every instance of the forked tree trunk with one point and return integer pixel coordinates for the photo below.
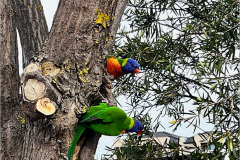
(69, 71)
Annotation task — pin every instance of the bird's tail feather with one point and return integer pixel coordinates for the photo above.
(79, 130)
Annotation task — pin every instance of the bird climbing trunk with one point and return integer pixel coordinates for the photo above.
(65, 67)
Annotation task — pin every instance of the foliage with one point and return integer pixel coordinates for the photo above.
(189, 53)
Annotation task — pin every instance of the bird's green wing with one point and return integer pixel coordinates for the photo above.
(94, 109)
(106, 115)
(122, 61)
(79, 130)
(111, 121)
(112, 114)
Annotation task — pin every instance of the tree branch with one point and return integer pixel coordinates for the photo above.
(32, 27)
(190, 80)
(118, 16)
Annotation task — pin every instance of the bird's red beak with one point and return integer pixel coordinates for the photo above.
(124, 131)
(139, 133)
(136, 70)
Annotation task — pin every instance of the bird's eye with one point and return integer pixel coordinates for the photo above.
(132, 65)
(139, 127)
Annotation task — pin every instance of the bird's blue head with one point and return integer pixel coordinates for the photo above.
(130, 66)
(137, 127)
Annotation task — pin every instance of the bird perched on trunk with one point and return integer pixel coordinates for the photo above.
(119, 67)
(105, 120)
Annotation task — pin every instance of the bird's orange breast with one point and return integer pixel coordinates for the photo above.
(114, 67)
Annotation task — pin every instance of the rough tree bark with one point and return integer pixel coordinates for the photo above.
(32, 27)
(68, 69)
(11, 116)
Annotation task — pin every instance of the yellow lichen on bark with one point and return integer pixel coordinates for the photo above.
(21, 119)
(85, 70)
(102, 18)
(40, 7)
(81, 76)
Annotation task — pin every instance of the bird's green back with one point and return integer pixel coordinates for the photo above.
(94, 109)
(108, 121)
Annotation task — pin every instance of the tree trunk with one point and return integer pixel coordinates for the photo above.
(32, 27)
(69, 71)
(12, 118)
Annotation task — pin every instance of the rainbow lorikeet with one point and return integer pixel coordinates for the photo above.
(119, 67)
(105, 120)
